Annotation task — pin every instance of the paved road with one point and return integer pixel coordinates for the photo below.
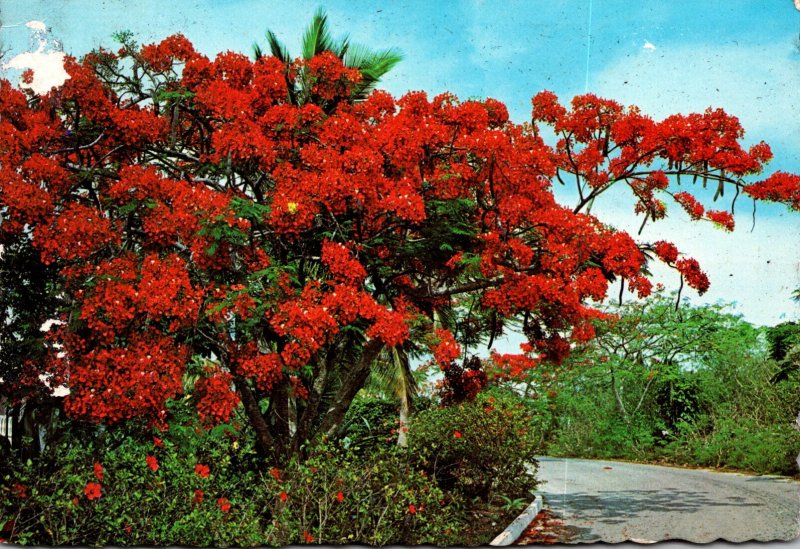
(613, 501)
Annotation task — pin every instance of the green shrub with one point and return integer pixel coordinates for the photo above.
(369, 423)
(337, 497)
(741, 444)
(119, 488)
(334, 496)
(483, 448)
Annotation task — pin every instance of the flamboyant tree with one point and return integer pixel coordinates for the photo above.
(189, 217)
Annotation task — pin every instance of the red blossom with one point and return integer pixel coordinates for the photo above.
(412, 509)
(283, 496)
(197, 498)
(202, 470)
(308, 538)
(666, 251)
(19, 490)
(690, 204)
(340, 496)
(721, 218)
(216, 399)
(152, 462)
(98, 471)
(694, 276)
(92, 490)
(224, 505)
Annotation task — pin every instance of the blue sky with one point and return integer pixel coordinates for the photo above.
(666, 57)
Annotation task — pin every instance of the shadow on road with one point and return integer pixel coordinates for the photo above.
(617, 507)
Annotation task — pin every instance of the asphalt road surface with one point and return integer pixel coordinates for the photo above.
(612, 501)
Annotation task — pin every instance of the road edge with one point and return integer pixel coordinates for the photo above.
(514, 530)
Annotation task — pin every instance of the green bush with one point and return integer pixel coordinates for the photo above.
(740, 444)
(336, 497)
(483, 448)
(148, 491)
(369, 423)
(119, 488)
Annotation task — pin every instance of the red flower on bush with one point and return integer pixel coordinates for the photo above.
(275, 472)
(152, 462)
(20, 490)
(412, 509)
(284, 496)
(340, 496)
(202, 470)
(157, 442)
(308, 537)
(198, 497)
(457, 434)
(224, 505)
(98, 472)
(92, 490)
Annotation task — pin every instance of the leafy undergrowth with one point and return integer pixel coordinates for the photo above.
(208, 488)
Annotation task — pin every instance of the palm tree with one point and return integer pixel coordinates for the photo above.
(393, 377)
(317, 39)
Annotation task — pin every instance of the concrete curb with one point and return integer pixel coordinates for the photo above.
(514, 530)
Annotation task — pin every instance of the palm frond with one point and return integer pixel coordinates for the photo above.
(392, 375)
(258, 53)
(277, 48)
(372, 64)
(342, 47)
(317, 38)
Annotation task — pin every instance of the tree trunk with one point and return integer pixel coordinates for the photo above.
(351, 385)
(618, 397)
(311, 411)
(264, 441)
(277, 418)
(402, 437)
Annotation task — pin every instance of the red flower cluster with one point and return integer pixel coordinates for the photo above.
(447, 349)
(721, 218)
(216, 400)
(19, 490)
(666, 251)
(690, 204)
(92, 490)
(693, 275)
(224, 505)
(256, 213)
(202, 470)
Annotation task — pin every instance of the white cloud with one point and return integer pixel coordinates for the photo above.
(36, 25)
(46, 62)
(758, 84)
(650, 46)
(758, 269)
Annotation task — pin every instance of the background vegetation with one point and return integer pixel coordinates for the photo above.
(689, 385)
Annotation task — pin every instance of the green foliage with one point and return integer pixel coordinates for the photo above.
(334, 495)
(781, 338)
(369, 423)
(482, 448)
(739, 444)
(137, 505)
(694, 385)
(376, 499)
